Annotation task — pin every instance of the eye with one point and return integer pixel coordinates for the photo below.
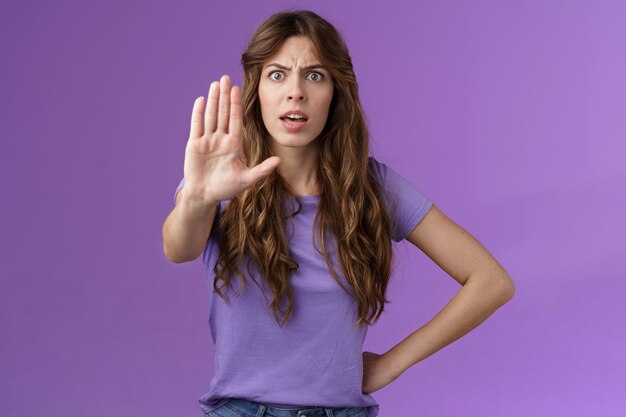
(276, 75)
(315, 76)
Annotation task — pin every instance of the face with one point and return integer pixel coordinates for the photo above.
(295, 92)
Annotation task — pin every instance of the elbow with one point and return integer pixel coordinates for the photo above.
(172, 257)
(507, 288)
(178, 258)
(499, 287)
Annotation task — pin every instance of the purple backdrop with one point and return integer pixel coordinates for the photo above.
(511, 116)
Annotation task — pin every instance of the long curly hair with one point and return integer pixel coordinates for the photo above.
(351, 222)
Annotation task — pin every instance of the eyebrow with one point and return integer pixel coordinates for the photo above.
(308, 67)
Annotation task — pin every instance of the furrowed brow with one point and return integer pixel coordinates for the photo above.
(308, 67)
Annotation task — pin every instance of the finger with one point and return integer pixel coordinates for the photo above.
(263, 169)
(210, 115)
(236, 116)
(224, 104)
(197, 130)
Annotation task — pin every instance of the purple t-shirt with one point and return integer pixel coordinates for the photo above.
(316, 358)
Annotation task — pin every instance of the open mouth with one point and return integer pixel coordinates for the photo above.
(293, 123)
(294, 118)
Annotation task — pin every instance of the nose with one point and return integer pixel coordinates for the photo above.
(295, 91)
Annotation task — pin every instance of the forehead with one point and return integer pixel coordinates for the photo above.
(295, 51)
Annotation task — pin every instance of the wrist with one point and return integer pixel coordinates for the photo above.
(394, 362)
(194, 202)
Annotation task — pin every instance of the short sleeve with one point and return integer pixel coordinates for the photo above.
(180, 186)
(406, 204)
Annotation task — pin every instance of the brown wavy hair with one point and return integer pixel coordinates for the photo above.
(351, 222)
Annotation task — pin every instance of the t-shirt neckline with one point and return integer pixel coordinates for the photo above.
(309, 198)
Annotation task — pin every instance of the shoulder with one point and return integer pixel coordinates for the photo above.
(405, 202)
(391, 181)
(383, 174)
(377, 168)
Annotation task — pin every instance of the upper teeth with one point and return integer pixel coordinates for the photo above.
(295, 116)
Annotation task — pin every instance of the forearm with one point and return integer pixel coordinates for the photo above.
(186, 230)
(470, 306)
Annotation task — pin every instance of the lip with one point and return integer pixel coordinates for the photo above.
(295, 111)
(292, 126)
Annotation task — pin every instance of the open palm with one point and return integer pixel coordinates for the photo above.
(214, 167)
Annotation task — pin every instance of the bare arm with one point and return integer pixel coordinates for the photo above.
(186, 229)
(486, 286)
(214, 171)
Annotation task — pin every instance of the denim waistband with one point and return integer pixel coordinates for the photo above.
(256, 409)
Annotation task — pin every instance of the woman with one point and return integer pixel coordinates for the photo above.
(279, 189)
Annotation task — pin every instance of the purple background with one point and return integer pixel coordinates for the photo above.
(510, 116)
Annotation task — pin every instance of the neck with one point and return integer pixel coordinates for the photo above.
(298, 167)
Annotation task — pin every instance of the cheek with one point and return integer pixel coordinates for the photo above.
(261, 94)
(325, 100)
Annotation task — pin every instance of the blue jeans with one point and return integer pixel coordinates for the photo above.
(238, 407)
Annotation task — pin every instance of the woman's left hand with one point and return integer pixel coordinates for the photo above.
(377, 372)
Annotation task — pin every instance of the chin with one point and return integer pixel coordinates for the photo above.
(292, 141)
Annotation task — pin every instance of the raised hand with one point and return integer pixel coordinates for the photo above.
(214, 167)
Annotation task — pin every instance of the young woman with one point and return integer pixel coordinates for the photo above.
(294, 222)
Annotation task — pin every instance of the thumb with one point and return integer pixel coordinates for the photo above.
(263, 169)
